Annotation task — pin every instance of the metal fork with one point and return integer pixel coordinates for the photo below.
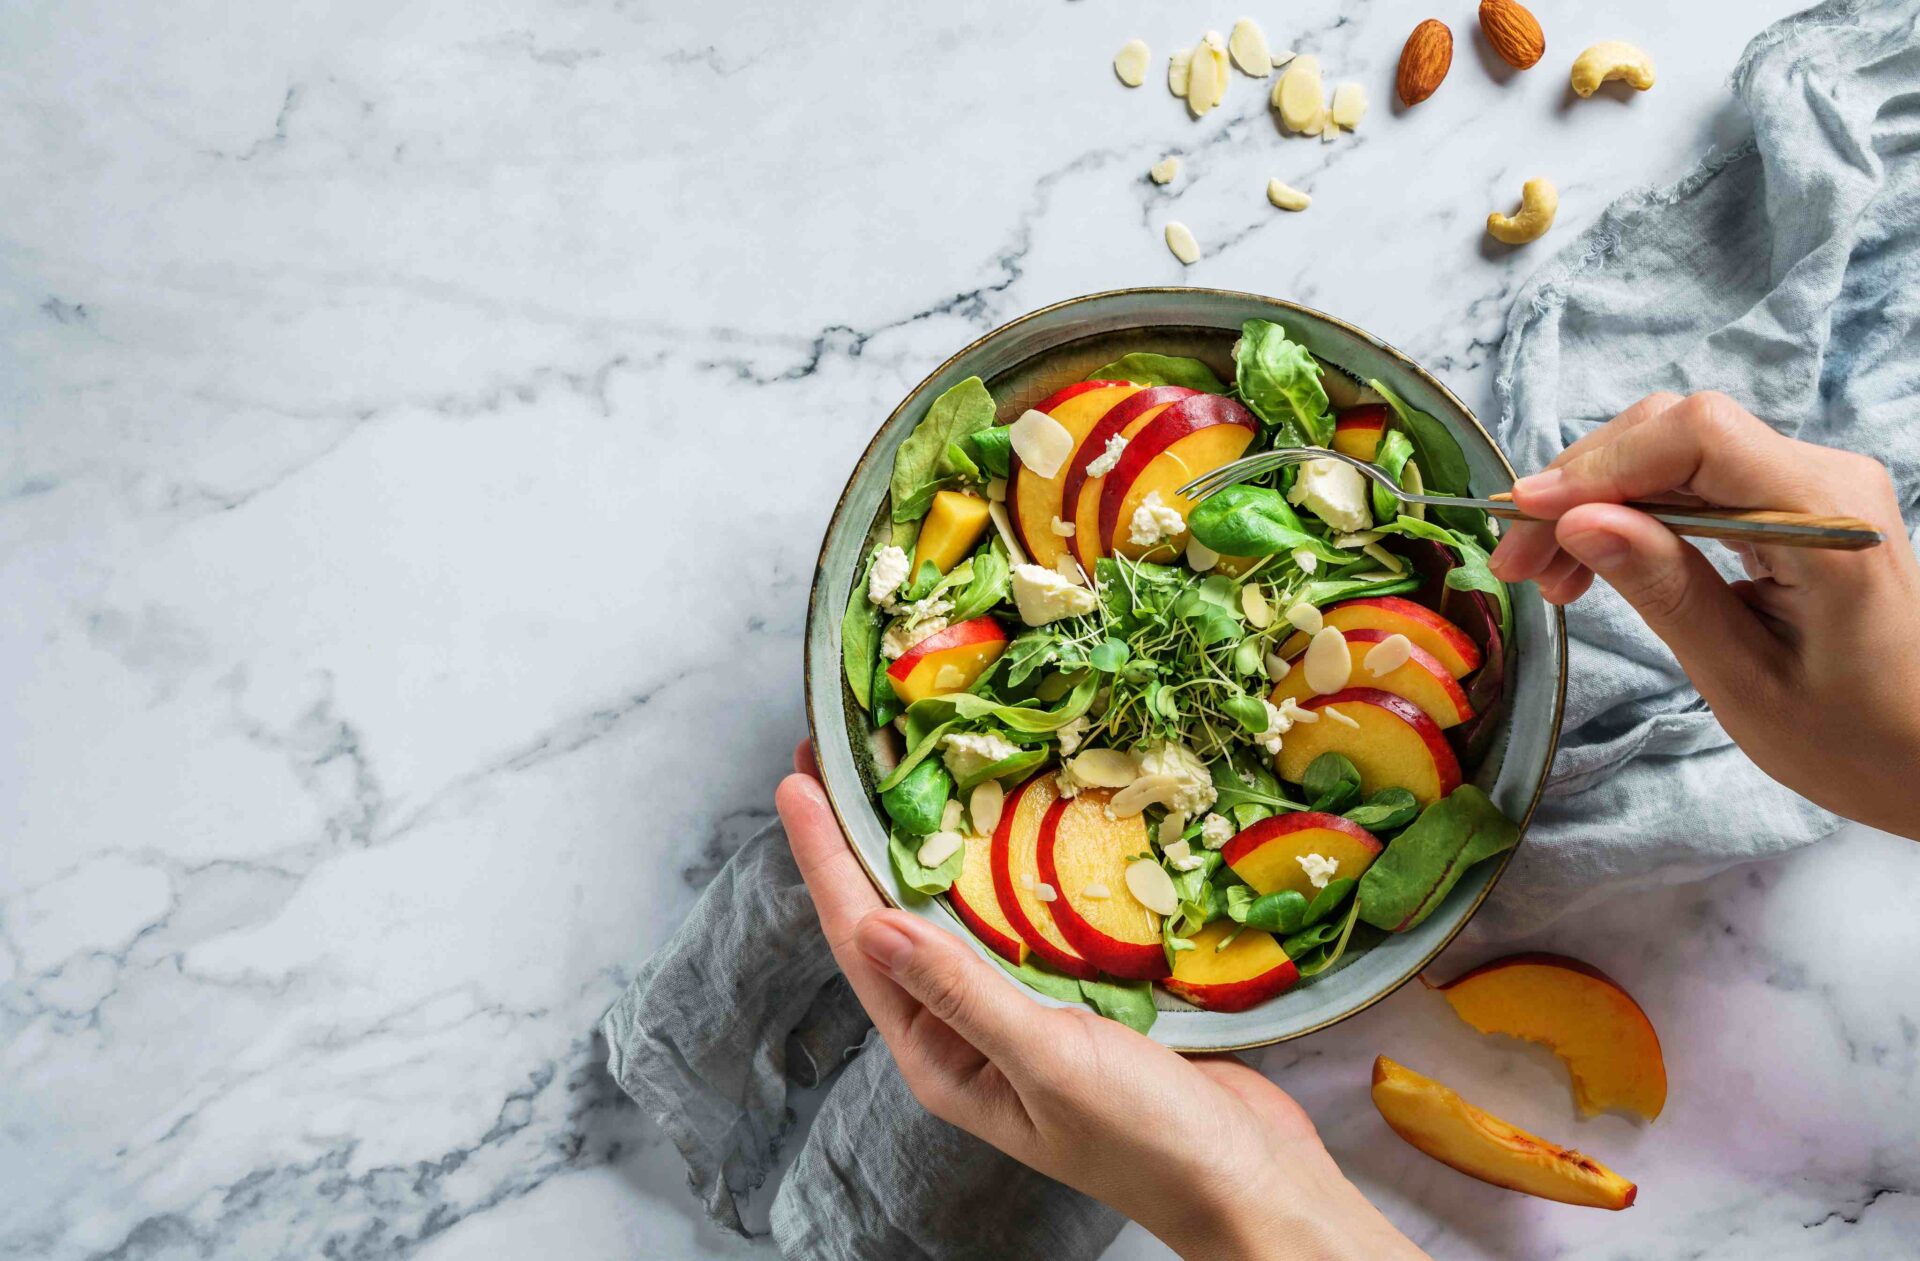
(1736, 525)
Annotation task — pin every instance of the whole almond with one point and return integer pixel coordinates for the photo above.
(1424, 62)
(1513, 31)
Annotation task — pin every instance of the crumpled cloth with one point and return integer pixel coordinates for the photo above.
(1784, 272)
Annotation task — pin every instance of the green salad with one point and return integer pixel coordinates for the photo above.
(1138, 740)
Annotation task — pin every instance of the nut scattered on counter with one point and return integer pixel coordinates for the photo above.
(1612, 59)
(1207, 74)
(1424, 62)
(1298, 95)
(1163, 171)
(1248, 45)
(1513, 31)
(1131, 62)
(1180, 241)
(1179, 67)
(1539, 202)
(1287, 197)
(1349, 105)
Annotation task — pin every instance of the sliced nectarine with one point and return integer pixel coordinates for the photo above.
(1194, 436)
(1252, 969)
(953, 525)
(1481, 1145)
(1034, 502)
(948, 660)
(1388, 740)
(1421, 679)
(1016, 877)
(1084, 855)
(1453, 648)
(1081, 491)
(978, 906)
(1357, 430)
(1267, 855)
(1608, 1043)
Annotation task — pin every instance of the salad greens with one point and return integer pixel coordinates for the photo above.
(1167, 663)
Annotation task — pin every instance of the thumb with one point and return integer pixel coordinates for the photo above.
(956, 986)
(1675, 590)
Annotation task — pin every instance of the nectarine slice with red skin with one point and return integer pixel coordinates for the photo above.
(969, 647)
(1252, 969)
(1427, 630)
(1581, 1014)
(1034, 501)
(1393, 745)
(1267, 854)
(1357, 430)
(1454, 1132)
(1081, 491)
(1194, 436)
(1421, 679)
(1016, 876)
(1081, 846)
(978, 906)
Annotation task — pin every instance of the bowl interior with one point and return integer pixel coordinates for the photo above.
(1021, 363)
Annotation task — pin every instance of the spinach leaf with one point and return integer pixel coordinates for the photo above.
(1019, 764)
(860, 641)
(1331, 783)
(1443, 467)
(1129, 1002)
(1249, 711)
(987, 586)
(1248, 789)
(1145, 368)
(991, 449)
(1320, 958)
(1473, 573)
(923, 880)
(1327, 899)
(1332, 590)
(1307, 939)
(964, 409)
(1248, 520)
(1423, 863)
(1386, 810)
(914, 804)
(1280, 381)
(886, 702)
(1391, 458)
(1284, 911)
(1027, 653)
(1043, 979)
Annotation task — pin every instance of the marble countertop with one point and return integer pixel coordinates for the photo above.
(420, 422)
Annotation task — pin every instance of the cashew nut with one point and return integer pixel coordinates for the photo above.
(1611, 59)
(1539, 200)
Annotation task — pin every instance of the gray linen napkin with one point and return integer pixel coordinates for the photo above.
(1785, 273)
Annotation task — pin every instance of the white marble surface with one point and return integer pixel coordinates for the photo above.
(420, 420)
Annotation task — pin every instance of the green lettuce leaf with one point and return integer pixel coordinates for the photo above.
(920, 466)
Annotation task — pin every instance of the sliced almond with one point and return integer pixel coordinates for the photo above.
(1388, 655)
(1385, 557)
(1281, 56)
(1248, 44)
(1199, 556)
(1298, 95)
(939, 847)
(1377, 575)
(1278, 667)
(949, 678)
(1306, 560)
(1152, 887)
(1202, 90)
(1163, 171)
(1287, 197)
(950, 816)
(1254, 604)
(984, 804)
(1148, 790)
(1062, 528)
(1171, 827)
(1131, 62)
(997, 490)
(1069, 568)
(1096, 890)
(1105, 768)
(1046, 892)
(1185, 248)
(1305, 618)
(1041, 442)
(1337, 716)
(1179, 70)
(1357, 539)
(1003, 526)
(1349, 104)
(1329, 664)
(1296, 713)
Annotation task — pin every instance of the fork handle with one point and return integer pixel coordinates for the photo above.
(1741, 525)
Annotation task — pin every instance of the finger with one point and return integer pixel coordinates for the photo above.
(1524, 551)
(1561, 574)
(958, 988)
(1640, 413)
(1570, 588)
(841, 891)
(1676, 591)
(803, 763)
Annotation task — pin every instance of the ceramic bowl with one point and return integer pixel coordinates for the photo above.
(1022, 362)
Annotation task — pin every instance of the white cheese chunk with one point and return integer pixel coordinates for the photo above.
(1193, 790)
(1109, 456)
(1216, 830)
(1153, 521)
(1319, 868)
(1334, 492)
(1043, 595)
(889, 570)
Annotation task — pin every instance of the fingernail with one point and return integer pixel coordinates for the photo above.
(1544, 483)
(1598, 550)
(885, 945)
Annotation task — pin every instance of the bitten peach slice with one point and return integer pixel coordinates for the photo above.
(1194, 436)
(1081, 493)
(1390, 742)
(1267, 855)
(1481, 1145)
(1608, 1043)
(1421, 679)
(1250, 970)
(1450, 645)
(948, 660)
(1035, 502)
(1083, 856)
(978, 906)
(953, 525)
(1016, 877)
(1358, 430)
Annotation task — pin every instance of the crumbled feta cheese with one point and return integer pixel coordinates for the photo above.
(1103, 463)
(905, 634)
(1044, 596)
(1279, 722)
(1334, 492)
(1306, 560)
(1193, 788)
(1071, 734)
(1319, 869)
(1153, 520)
(1216, 830)
(966, 752)
(888, 572)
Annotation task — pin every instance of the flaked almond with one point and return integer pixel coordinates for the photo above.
(1027, 879)
(1306, 560)
(1333, 713)
(1063, 529)
(1171, 827)
(1200, 556)
(1286, 196)
(1389, 655)
(939, 847)
(1513, 32)
(1148, 790)
(1329, 665)
(1248, 45)
(1254, 604)
(1179, 70)
(1104, 768)
(985, 803)
(1003, 526)
(1349, 105)
(1131, 62)
(1298, 95)
(997, 490)
(1041, 442)
(1163, 171)
(1297, 713)
(1207, 75)
(1358, 538)
(1046, 892)
(1384, 557)
(1096, 890)
(950, 816)
(1304, 618)
(1424, 62)
(1152, 887)
(1278, 667)
(1185, 248)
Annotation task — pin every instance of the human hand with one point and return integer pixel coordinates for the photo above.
(1206, 1153)
(1813, 663)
